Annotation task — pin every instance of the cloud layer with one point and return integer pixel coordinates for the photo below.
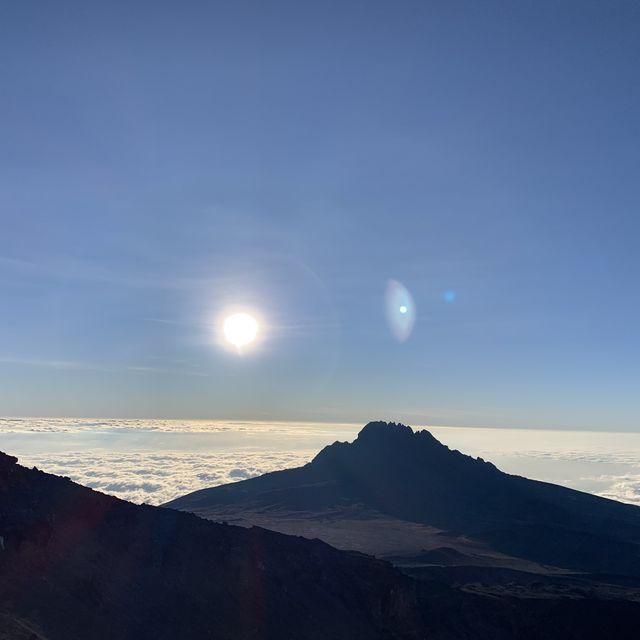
(158, 477)
(154, 461)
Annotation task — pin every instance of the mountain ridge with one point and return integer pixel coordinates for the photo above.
(410, 476)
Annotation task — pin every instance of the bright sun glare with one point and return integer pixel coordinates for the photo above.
(240, 329)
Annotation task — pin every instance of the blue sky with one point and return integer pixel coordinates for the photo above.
(163, 163)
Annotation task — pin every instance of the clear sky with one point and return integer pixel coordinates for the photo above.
(165, 163)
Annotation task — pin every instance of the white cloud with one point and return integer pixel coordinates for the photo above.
(158, 477)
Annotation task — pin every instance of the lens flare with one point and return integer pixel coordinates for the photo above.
(401, 310)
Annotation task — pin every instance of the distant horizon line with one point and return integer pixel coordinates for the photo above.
(358, 423)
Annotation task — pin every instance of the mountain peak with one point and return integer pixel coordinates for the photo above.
(384, 430)
(392, 441)
(394, 435)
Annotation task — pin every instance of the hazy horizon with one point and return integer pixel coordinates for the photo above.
(301, 422)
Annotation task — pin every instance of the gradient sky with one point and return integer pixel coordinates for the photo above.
(162, 163)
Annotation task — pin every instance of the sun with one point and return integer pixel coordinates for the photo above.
(240, 329)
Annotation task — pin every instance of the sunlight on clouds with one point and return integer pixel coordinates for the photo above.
(143, 425)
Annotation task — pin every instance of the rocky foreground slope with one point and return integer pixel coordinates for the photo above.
(77, 564)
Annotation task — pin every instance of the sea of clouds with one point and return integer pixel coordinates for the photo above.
(154, 461)
(158, 477)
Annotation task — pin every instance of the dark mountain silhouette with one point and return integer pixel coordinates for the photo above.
(404, 494)
(76, 564)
